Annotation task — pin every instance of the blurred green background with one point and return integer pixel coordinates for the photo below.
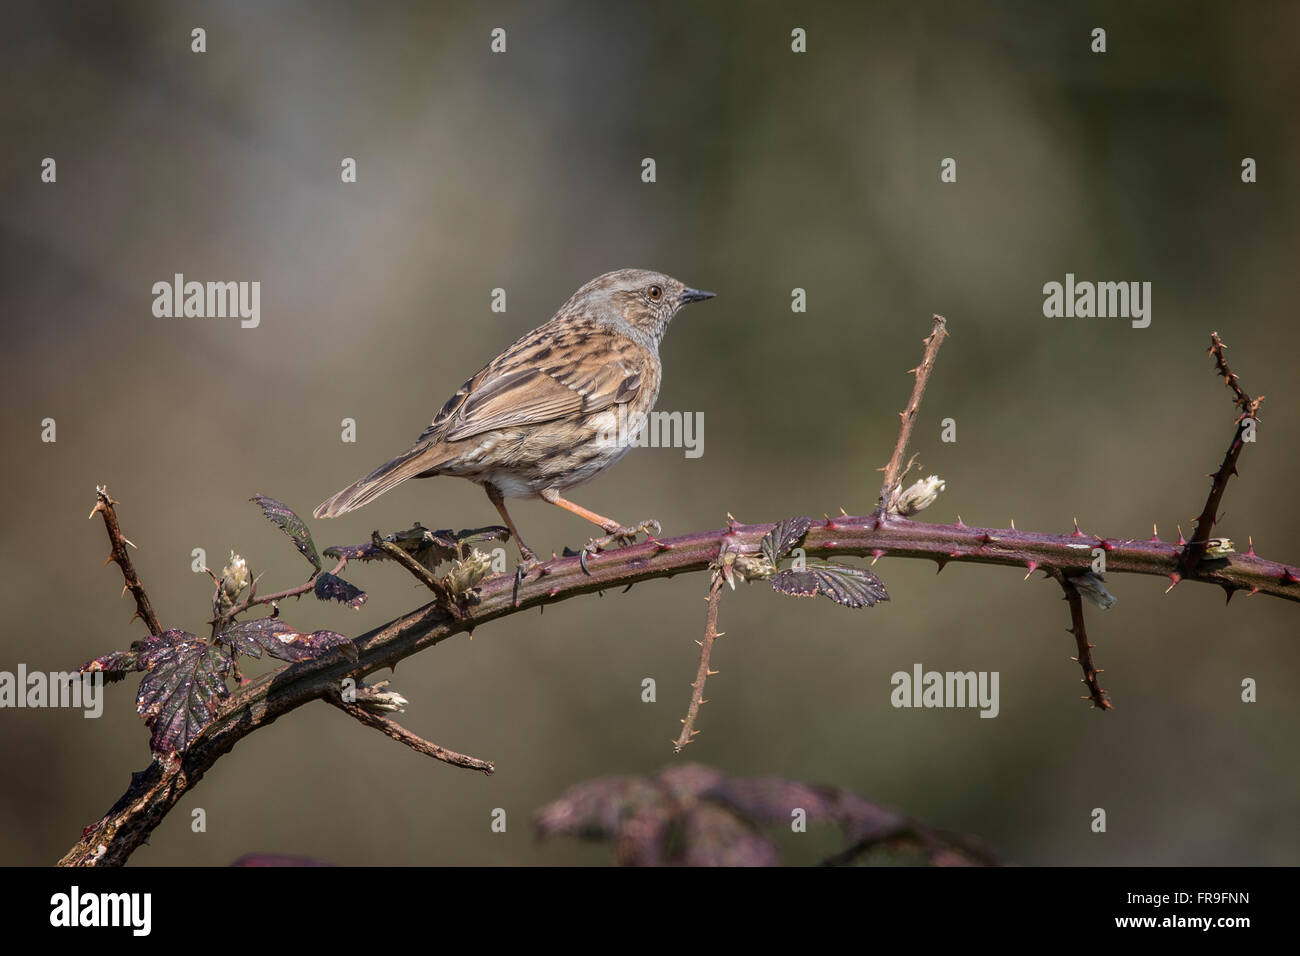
(775, 171)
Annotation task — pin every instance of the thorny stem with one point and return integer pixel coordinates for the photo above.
(893, 470)
(706, 651)
(105, 506)
(1077, 627)
(421, 573)
(1249, 416)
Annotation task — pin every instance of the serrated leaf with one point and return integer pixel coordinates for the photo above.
(178, 695)
(331, 587)
(117, 665)
(291, 525)
(778, 542)
(185, 677)
(283, 642)
(851, 587)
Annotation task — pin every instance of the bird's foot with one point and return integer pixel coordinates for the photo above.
(528, 563)
(618, 535)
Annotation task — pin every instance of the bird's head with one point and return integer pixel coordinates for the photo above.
(645, 301)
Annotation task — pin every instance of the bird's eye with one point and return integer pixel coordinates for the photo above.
(655, 293)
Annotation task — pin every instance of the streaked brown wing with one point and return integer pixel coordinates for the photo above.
(527, 392)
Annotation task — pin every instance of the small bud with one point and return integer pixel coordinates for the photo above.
(754, 567)
(1090, 586)
(918, 497)
(234, 576)
(468, 572)
(1219, 548)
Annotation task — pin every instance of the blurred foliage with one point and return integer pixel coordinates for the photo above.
(692, 815)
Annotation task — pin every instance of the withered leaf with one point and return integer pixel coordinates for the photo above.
(331, 587)
(778, 542)
(291, 525)
(283, 642)
(851, 587)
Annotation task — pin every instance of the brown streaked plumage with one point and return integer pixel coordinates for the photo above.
(545, 414)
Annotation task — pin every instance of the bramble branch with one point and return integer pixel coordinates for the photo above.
(1068, 557)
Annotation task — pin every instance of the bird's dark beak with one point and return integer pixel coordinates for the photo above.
(694, 295)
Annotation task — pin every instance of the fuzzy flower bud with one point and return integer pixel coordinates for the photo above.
(234, 576)
(918, 497)
(468, 572)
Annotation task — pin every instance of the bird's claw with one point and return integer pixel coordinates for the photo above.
(527, 565)
(620, 535)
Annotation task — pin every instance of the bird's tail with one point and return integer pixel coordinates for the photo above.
(387, 476)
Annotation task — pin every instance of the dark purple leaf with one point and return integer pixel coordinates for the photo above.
(713, 836)
(778, 542)
(291, 525)
(772, 799)
(694, 815)
(597, 808)
(184, 678)
(331, 587)
(115, 666)
(140, 657)
(178, 696)
(283, 642)
(851, 587)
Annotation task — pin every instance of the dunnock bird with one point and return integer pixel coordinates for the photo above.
(551, 411)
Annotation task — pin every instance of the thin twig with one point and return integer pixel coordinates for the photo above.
(1249, 417)
(422, 574)
(446, 599)
(104, 505)
(399, 733)
(706, 651)
(254, 600)
(893, 470)
(1099, 697)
